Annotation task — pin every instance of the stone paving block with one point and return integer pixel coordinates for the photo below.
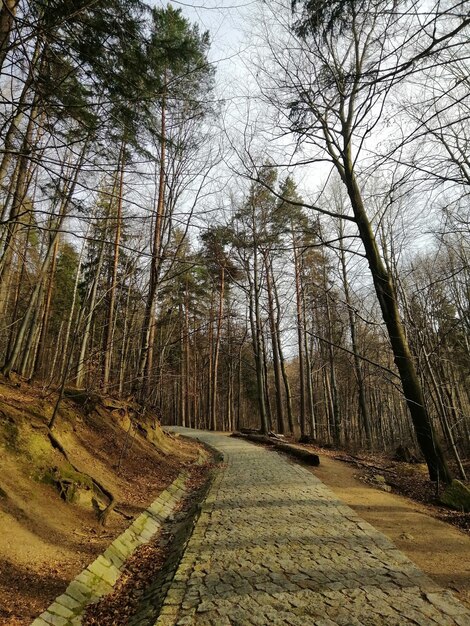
(78, 591)
(67, 601)
(86, 578)
(137, 525)
(123, 549)
(273, 545)
(114, 556)
(151, 526)
(61, 610)
(104, 569)
(53, 620)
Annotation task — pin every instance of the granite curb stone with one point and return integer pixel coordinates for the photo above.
(101, 575)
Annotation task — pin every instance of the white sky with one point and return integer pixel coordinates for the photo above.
(225, 20)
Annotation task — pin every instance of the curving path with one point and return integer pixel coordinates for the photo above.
(274, 545)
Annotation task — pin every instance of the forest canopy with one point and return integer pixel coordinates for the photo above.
(132, 264)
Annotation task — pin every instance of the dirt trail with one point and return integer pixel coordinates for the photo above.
(439, 549)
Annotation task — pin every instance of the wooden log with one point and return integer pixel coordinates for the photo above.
(310, 458)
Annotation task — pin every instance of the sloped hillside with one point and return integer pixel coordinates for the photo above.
(65, 494)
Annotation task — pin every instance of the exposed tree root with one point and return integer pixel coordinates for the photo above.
(99, 487)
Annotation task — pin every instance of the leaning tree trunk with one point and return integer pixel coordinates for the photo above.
(425, 432)
(19, 195)
(7, 19)
(31, 308)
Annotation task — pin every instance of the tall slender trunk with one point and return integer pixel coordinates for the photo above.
(239, 389)
(215, 365)
(328, 406)
(29, 351)
(80, 375)
(148, 328)
(21, 106)
(210, 369)
(18, 198)
(336, 416)
(256, 329)
(8, 199)
(16, 295)
(363, 408)
(443, 415)
(269, 413)
(32, 304)
(259, 350)
(187, 358)
(308, 372)
(109, 330)
(298, 303)
(38, 361)
(124, 342)
(275, 347)
(282, 361)
(182, 366)
(7, 19)
(56, 353)
(72, 308)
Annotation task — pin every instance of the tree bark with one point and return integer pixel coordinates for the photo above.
(363, 408)
(425, 433)
(275, 347)
(7, 19)
(215, 364)
(109, 330)
(300, 343)
(282, 361)
(38, 361)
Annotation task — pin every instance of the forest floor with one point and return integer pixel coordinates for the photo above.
(434, 537)
(44, 540)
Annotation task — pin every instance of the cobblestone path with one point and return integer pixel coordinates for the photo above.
(273, 545)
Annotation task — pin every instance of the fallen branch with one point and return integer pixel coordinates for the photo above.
(347, 458)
